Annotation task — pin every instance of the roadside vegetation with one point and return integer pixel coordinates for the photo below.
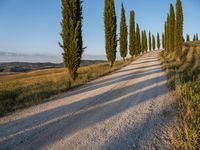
(184, 78)
(182, 62)
(26, 89)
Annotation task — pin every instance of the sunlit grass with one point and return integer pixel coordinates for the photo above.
(184, 77)
(25, 89)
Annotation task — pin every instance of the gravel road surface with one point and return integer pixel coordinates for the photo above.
(128, 109)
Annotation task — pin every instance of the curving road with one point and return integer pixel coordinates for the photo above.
(128, 109)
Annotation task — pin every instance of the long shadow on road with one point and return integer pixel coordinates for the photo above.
(37, 117)
(65, 125)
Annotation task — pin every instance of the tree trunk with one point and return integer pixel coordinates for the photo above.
(111, 64)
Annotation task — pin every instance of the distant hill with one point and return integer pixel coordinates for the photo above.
(26, 67)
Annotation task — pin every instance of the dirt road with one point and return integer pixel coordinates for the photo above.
(128, 109)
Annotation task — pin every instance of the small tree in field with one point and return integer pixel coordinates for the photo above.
(71, 35)
(110, 27)
(123, 34)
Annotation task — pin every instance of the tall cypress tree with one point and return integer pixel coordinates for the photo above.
(146, 41)
(137, 39)
(149, 40)
(71, 35)
(132, 51)
(123, 34)
(143, 42)
(165, 36)
(194, 37)
(158, 41)
(197, 37)
(110, 27)
(188, 38)
(171, 28)
(179, 27)
(183, 39)
(153, 42)
(163, 40)
(168, 34)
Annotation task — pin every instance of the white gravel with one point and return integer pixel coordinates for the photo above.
(128, 109)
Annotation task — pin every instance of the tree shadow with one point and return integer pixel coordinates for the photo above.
(82, 101)
(145, 62)
(138, 68)
(151, 133)
(59, 123)
(106, 82)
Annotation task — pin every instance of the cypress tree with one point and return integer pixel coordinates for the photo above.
(132, 34)
(179, 27)
(110, 27)
(123, 34)
(171, 28)
(71, 35)
(183, 39)
(163, 40)
(137, 39)
(145, 37)
(158, 41)
(149, 40)
(175, 44)
(188, 38)
(168, 41)
(143, 42)
(197, 38)
(153, 42)
(166, 36)
(194, 38)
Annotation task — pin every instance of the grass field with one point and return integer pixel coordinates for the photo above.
(26, 89)
(184, 77)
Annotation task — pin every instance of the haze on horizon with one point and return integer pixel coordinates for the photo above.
(33, 27)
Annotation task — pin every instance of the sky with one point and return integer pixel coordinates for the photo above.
(33, 26)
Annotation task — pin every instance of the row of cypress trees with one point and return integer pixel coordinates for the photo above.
(138, 42)
(173, 36)
(71, 34)
(195, 37)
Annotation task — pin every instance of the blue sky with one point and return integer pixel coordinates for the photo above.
(33, 26)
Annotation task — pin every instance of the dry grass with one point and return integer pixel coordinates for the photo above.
(26, 89)
(184, 76)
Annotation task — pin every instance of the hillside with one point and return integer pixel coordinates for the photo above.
(26, 67)
(184, 78)
(29, 88)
